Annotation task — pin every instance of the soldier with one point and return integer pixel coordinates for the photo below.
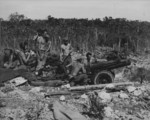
(24, 55)
(42, 46)
(23, 52)
(8, 59)
(78, 73)
(47, 41)
(65, 48)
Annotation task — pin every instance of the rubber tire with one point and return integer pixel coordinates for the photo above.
(109, 77)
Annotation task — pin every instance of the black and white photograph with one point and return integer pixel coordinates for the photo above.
(74, 59)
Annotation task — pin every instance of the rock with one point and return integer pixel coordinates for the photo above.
(2, 103)
(106, 118)
(19, 94)
(62, 98)
(2, 94)
(64, 112)
(131, 89)
(137, 92)
(66, 86)
(139, 115)
(14, 114)
(105, 96)
(122, 114)
(108, 111)
(119, 76)
(110, 86)
(84, 96)
(8, 88)
(35, 89)
(123, 96)
(142, 88)
(46, 114)
(18, 81)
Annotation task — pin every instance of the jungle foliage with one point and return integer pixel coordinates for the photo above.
(82, 33)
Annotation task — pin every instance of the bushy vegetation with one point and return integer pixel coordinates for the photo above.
(83, 33)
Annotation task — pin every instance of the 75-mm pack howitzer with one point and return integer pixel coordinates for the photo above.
(98, 72)
(103, 72)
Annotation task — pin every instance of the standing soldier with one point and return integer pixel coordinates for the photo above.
(65, 49)
(42, 46)
(47, 41)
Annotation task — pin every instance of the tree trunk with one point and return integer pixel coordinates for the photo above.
(96, 38)
(0, 35)
(119, 44)
(14, 43)
(87, 41)
(137, 45)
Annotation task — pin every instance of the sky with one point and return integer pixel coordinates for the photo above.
(91, 9)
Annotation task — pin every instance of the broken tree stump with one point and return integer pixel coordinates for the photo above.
(100, 86)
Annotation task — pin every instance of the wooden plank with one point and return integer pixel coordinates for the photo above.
(100, 86)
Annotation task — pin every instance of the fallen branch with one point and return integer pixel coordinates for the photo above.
(64, 93)
(100, 86)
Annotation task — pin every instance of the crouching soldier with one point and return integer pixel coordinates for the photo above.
(78, 73)
(9, 59)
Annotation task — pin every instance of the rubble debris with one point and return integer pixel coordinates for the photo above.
(66, 86)
(84, 96)
(2, 94)
(119, 76)
(131, 89)
(104, 96)
(18, 81)
(46, 114)
(123, 95)
(108, 111)
(110, 86)
(7, 88)
(137, 92)
(123, 101)
(120, 107)
(2, 103)
(22, 94)
(62, 98)
(61, 112)
(36, 89)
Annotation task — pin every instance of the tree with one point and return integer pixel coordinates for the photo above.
(1, 19)
(16, 17)
(0, 32)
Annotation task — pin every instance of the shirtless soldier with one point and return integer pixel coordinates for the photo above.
(78, 73)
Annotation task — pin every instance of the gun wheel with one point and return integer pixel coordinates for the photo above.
(103, 77)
